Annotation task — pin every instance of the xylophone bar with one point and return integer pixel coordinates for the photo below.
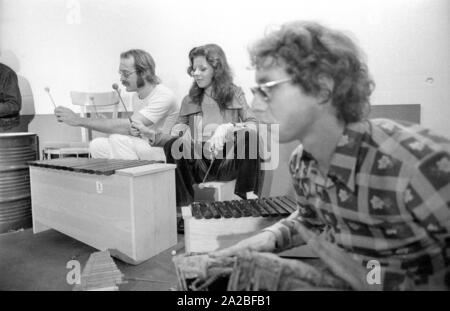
(265, 207)
(61, 163)
(222, 209)
(91, 166)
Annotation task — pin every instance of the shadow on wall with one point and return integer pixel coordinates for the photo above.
(28, 111)
(407, 112)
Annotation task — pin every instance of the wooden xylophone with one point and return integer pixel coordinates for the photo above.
(91, 166)
(265, 207)
(215, 225)
(108, 204)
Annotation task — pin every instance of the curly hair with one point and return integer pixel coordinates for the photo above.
(222, 81)
(144, 64)
(310, 52)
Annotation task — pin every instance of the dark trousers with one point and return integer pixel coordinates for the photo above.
(239, 160)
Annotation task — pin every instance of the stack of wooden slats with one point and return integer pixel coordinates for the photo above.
(100, 273)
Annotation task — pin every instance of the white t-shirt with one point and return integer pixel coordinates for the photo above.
(160, 107)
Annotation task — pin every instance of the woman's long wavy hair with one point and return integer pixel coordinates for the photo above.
(222, 81)
(309, 52)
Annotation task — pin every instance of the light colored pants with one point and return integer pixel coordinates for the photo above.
(125, 147)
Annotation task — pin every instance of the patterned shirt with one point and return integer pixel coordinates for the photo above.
(386, 197)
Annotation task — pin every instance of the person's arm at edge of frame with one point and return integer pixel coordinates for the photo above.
(286, 233)
(12, 102)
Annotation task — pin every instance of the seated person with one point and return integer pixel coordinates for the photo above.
(213, 113)
(153, 105)
(10, 99)
(376, 190)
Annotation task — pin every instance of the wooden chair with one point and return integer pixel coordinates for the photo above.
(93, 105)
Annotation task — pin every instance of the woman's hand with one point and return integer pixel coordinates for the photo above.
(261, 242)
(217, 141)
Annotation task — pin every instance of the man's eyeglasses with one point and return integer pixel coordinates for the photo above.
(126, 74)
(263, 90)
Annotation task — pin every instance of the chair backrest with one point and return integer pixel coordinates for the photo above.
(94, 103)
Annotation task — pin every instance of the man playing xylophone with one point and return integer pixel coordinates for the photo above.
(153, 105)
(376, 190)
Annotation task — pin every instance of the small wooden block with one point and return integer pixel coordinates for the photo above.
(215, 191)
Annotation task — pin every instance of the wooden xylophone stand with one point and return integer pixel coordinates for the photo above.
(205, 233)
(207, 227)
(131, 213)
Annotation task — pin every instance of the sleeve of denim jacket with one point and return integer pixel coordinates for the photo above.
(182, 124)
(179, 129)
(245, 115)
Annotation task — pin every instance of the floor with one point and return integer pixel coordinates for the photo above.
(37, 262)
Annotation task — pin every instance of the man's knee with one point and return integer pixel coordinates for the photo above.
(118, 139)
(124, 147)
(100, 148)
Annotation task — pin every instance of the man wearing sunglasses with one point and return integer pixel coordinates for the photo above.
(153, 105)
(368, 191)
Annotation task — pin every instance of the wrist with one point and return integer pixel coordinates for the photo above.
(79, 121)
(272, 238)
(154, 138)
(230, 126)
(239, 125)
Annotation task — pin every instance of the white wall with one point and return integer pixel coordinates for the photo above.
(75, 45)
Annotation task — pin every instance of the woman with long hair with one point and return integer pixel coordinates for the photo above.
(213, 131)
